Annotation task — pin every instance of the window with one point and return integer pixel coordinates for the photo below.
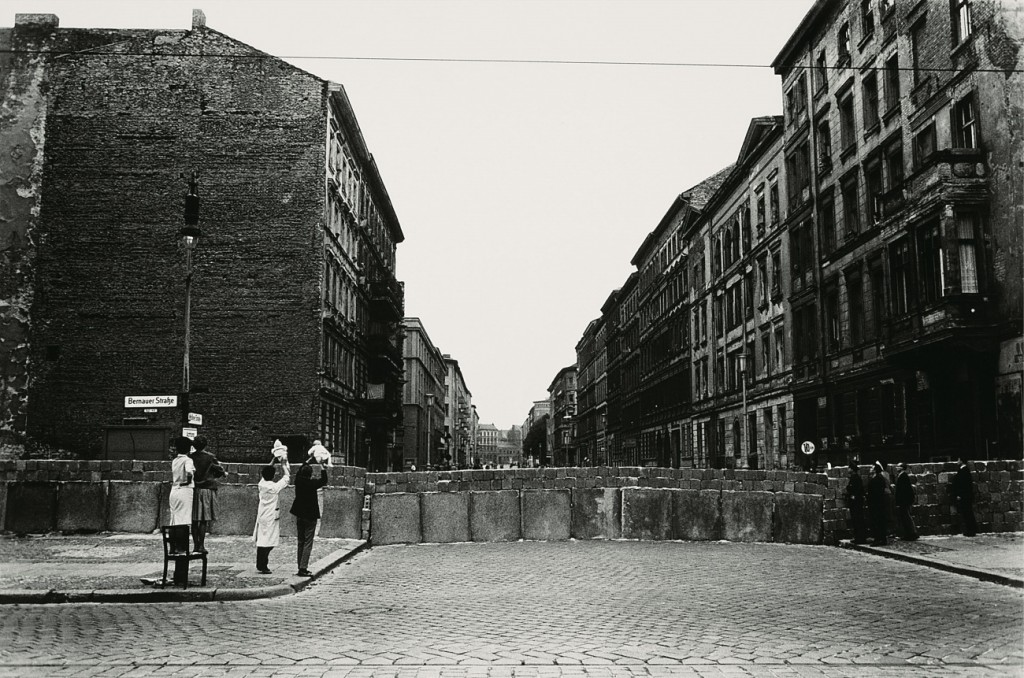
(855, 304)
(894, 163)
(805, 340)
(873, 189)
(773, 203)
(867, 18)
(966, 230)
(916, 43)
(780, 348)
(745, 228)
(901, 280)
(769, 432)
(821, 73)
(827, 213)
(762, 276)
(796, 101)
(892, 82)
(847, 131)
(776, 273)
(798, 174)
(876, 278)
(869, 85)
(965, 131)
(929, 247)
(760, 214)
(824, 140)
(748, 294)
(843, 44)
(851, 208)
(766, 354)
(833, 336)
(962, 24)
(781, 418)
(924, 145)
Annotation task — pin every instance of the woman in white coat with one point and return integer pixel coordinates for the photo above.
(180, 497)
(267, 533)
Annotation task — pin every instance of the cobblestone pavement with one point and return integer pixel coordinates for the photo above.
(537, 609)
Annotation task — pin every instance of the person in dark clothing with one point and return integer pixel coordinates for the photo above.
(855, 500)
(306, 510)
(904, 495)
(204, 503)
(963, 496)
(878, 505)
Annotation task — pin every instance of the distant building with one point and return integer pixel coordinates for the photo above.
(458, 416)
(562, 396)
(424, 401)
(487, 436)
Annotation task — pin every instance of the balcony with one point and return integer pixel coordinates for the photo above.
(962, 320)
(380, 348)
(387, 298)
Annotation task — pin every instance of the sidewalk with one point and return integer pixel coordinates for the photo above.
(993, 556)
(110, 567)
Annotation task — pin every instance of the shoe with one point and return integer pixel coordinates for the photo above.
(264, 571)
(303, 573)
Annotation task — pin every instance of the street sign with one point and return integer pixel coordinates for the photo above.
(189, 432)
(807, 447)
(151, 401)
(195, 419)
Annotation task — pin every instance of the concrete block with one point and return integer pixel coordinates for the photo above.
(547, 514)
(32, 507)
(647, 513)
(445, 517)
(82, 507)
(135, 507)
(797, 518)
(236, 510)
(597, 513)
(747, 516)
(342, 513)
(697, 515)
(395, 518)
(494, 515)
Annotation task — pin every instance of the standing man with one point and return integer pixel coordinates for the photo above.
(878, 505)
(204, 506)
(904, 501)
(963, 495)
(267, 532)
(855, 499)
(307, 513)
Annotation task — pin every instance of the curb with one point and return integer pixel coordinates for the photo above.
(190, 595)
(983, 575)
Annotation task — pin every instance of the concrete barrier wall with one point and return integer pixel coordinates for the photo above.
(500, 505)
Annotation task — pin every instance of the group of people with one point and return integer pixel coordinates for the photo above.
(193, 500)
(877, 495)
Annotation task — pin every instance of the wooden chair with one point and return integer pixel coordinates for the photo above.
(180, 560)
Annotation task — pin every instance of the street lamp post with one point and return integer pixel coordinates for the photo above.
(190, 235)
(743, 421)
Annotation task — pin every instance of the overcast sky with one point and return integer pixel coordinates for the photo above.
(523, 189)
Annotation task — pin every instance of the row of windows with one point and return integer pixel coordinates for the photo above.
(340, 293)
(772, 438)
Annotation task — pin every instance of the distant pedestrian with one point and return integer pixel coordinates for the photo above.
(963, 495)
(267, 533)
(878, 505)
(180, 497)
(204, 505)
(904, 495)
(307, 513)
(854, 495)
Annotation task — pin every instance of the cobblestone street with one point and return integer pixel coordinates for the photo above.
(540, 609)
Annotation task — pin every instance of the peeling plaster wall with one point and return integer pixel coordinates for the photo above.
(23, 109)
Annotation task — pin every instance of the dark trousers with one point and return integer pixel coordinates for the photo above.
(857, 521)
(967, 522)
(879, 523)
(178, 537)
(263, 557)
(305, 531)
(905, 523)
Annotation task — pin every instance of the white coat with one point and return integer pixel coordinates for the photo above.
(180, 498)
(267, 532)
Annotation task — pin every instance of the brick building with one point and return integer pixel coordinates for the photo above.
(902, 146)
(295, 309)
(424, 401)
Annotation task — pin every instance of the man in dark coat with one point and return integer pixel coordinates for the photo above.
(963, 495)
(878, 505)
(306, 510)
(855, 501)
(904, 495)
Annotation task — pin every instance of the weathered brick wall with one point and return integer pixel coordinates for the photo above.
(108, 314)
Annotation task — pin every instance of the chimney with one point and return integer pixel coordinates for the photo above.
(198, 19)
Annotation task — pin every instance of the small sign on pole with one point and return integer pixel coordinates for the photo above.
(807, 447)
(195, 419)
(189, 432)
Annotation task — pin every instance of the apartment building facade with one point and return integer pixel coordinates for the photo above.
(424, 401)
(458, 418)
(295, 309)
(902, 149)
(562, 395)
